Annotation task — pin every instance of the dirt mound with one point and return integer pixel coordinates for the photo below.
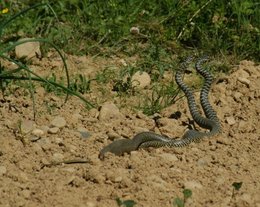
(154, 177)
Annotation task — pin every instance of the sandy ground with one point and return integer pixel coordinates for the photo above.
(153, 177)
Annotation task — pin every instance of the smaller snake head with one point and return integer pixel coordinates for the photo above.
(118, 147)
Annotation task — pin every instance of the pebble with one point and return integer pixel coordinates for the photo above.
(141, 80)
(237, 96)
(112, 135)
(94, 176)
(2, 170)
(168, 157)
(243, 126)
(230, 120)
(244, 81)
(59, 122)
(27, 126)
(134, 30)
(157, 182)
(28, 49)
(45, 143)
(53, 130)
(59, 140)
(192, 185)
(75, 118)
(109, 111)
(116, 176)
(44, 128)
(57, 157)
(26, 193)
(84, 132)
(202, 162)
(38, 132)
(90, 204)
(246, 198)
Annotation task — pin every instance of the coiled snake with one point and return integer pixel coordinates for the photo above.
(151, 139)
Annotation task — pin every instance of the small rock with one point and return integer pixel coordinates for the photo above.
(193, 184)
(231, 120)
(202, 162)
(134, 30)
(59, 122)
(45, 143)
(244, 81)
(94, 176)
(27, 126)
(90, 204)
(38, 132)
(117, 176)
(157, 182)
(75, 118)
(26, 193)
(2, 170)
(83, 132)
(93, 113)
(28, 49)
(34, 138)
(246, 198)
(109, 111)
(237, 96)
(44, 128)
(53, 130)
(243, 126)
(169, 157)
(57, 157)
(141, 80)
(112, 135)
(59, 141)
(123, 62)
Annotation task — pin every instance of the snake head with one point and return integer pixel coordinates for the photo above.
(118, 147)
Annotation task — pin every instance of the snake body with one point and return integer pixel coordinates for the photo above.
(151, 139)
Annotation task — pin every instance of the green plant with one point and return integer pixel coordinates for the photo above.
(180, 202)
(162, 96)
(236, 187)
(23, 72)
(219, 27)
(126, 203)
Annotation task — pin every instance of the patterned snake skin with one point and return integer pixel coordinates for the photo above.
(151, 139)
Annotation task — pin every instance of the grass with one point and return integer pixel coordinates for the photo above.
(215, 26)
(24, 73)
(178, 202)
(167, 31)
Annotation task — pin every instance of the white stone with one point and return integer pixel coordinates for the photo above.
(53, 130)
(231, 120)
(57, 157)
(244, 81)
(2, 170)
(109, 111)
(169, 157)
(193, 184)
(27, 126)
(38, 132)
(59, 122)
(141, 80)
(28, 49)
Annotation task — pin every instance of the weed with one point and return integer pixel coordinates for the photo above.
(162, 96)
(180, 202)
(236, 187)
(216, 26)
(23, 72)
(126, 203)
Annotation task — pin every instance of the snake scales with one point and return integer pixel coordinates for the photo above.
(151, 139)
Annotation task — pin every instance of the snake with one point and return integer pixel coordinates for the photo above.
(151, 139)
